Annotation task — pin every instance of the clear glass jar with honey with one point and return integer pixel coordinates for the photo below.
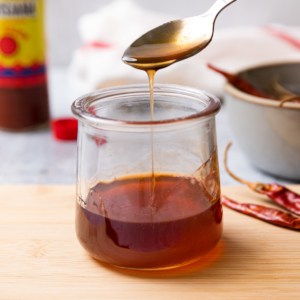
(148, 191)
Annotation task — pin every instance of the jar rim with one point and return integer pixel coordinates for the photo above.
(80, 105)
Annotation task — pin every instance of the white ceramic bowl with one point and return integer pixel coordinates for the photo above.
(269, 135)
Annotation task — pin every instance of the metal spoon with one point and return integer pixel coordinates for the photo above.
(174, 41)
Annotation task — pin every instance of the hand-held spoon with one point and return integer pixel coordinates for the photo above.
(174, 41)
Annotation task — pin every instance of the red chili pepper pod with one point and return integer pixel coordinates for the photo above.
(266, 214)
(248, 88)
(277, 193)
(239, 82)
(282, 196)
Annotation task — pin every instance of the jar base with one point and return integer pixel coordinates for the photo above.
(187, 266)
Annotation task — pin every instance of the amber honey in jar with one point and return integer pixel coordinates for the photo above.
(148, 191)
(23, 81)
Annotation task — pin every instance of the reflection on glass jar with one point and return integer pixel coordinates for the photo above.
(148, 192)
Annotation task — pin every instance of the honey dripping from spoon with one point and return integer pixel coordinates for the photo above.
(167, 44)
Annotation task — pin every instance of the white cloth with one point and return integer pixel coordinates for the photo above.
(118, 24)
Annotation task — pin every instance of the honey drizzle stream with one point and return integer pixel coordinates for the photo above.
(151, 75)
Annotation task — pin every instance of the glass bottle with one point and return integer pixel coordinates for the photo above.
(23, 80)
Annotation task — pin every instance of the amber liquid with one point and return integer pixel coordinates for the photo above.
(24, 108)
(116, 223)
(151, 75)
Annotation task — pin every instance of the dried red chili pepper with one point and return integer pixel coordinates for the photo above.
(239, 82)
(266, 214)
(248, 88)
(277, 193)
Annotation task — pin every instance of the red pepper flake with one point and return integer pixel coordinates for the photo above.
(65, 129)
(266, 214)
(277, 193)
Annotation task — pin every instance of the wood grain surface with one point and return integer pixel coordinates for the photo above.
(40, 257)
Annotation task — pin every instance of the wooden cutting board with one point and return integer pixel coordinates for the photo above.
(40, 257)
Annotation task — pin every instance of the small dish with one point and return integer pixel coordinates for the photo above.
(268, 134)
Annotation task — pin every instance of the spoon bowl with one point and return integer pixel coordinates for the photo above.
(174, 41)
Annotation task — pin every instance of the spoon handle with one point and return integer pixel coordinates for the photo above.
(218, 6)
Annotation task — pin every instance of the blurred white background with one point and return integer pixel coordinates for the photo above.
(62, 18)
(38, 158)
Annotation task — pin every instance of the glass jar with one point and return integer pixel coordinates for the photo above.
(148, 191)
